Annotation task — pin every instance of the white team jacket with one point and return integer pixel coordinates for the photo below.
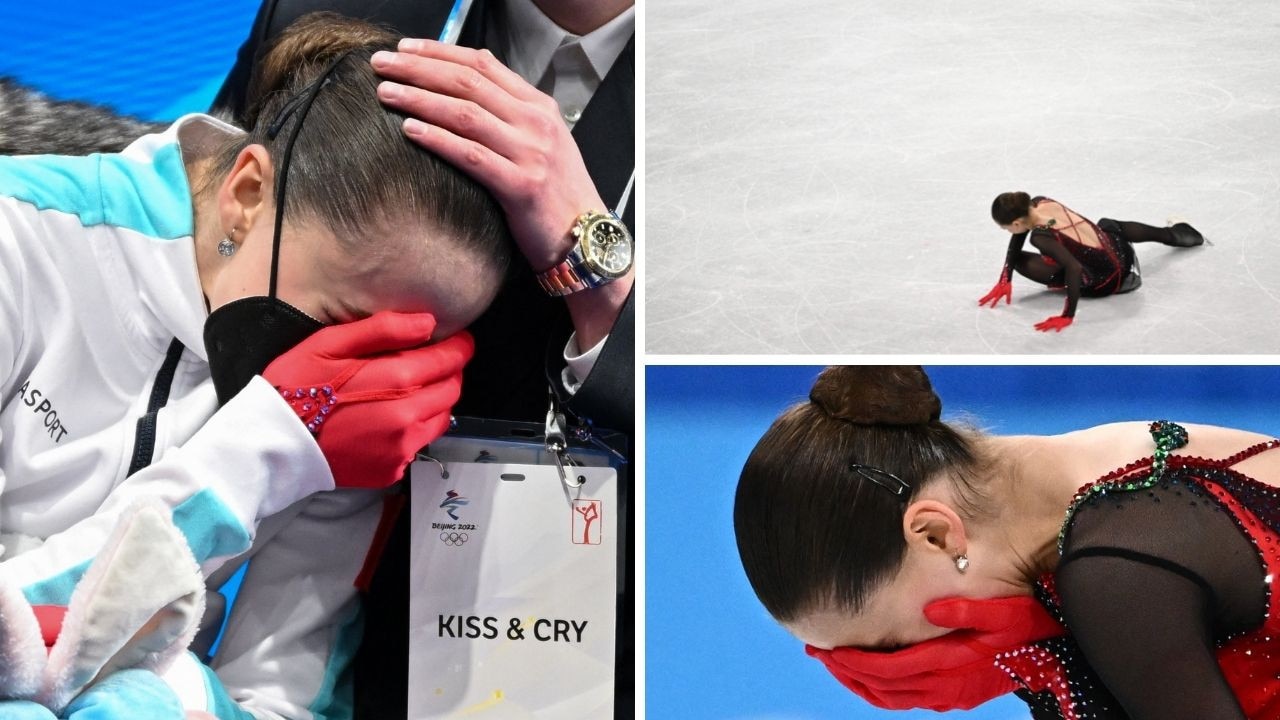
(97, 282)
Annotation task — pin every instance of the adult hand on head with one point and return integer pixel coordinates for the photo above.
(482, 117)
(1055, 323)
(1002, 290)
(373, 392)
(954, 672)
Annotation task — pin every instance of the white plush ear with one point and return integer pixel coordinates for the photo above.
(138, 605)
(22, 652)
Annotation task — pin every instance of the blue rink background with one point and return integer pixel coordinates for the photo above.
(154, 59)
(711, 651)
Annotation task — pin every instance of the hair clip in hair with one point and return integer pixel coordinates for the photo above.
(884, 479)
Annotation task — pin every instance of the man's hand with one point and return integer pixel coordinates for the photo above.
(482, 117)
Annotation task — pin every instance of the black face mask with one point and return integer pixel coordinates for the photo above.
(242, 337)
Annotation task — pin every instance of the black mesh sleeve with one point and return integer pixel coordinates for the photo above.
(1048, 245)
(1011, 257)
(1147, 581)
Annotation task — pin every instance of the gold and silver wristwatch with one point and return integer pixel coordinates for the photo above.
(602, 253)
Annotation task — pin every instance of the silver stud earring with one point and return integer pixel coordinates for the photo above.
(962, 563)
(226, 248)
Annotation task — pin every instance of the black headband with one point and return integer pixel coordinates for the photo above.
(301, 104)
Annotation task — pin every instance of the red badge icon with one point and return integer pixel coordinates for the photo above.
(586, 522)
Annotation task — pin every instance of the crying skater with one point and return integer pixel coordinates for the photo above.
(228, 323)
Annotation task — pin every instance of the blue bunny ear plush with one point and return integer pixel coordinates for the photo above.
(22, 649)
(137, 606)
(25, 710)
(135, 694)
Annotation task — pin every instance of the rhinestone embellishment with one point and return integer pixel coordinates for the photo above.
(312, 404)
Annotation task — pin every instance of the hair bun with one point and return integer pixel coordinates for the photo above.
(305, 47)
(877, 394)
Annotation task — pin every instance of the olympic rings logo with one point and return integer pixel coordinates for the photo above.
(453, 538)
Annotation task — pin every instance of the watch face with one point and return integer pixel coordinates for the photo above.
(607, 248)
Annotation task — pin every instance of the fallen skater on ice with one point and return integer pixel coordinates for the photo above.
(1093, 260)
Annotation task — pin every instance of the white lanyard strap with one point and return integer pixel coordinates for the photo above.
(626, 195)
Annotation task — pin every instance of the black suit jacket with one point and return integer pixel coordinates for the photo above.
(518, 341)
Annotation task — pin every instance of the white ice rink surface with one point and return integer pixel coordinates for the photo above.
(820, 173)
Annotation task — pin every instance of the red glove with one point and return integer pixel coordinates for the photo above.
(372, 392)
(1003, 289)
(954, 672)
(1055, 323)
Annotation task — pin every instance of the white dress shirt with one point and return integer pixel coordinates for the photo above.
(567, 67)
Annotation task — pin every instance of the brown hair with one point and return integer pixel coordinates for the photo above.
(811, 530)
(1009, 207)
(352, 168)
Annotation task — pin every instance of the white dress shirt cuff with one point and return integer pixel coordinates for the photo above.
(578, 364)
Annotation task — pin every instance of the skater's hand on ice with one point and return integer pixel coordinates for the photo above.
(1003, 289)
(1055, 323)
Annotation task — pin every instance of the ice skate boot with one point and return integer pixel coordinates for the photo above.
(1184, 235)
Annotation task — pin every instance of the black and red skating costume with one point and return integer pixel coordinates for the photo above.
(1199, 543)
(1068, 259)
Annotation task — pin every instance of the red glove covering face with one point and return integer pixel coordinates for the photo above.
(1002, 290)
(372, 392)
(954, 672)
(1055, 323)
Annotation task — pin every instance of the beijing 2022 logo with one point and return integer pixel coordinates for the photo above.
(453, 501)
(453, 538)
(454, 534)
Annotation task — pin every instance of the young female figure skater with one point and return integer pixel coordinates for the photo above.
(906, 552)
(1087, 259)
(163, 334)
